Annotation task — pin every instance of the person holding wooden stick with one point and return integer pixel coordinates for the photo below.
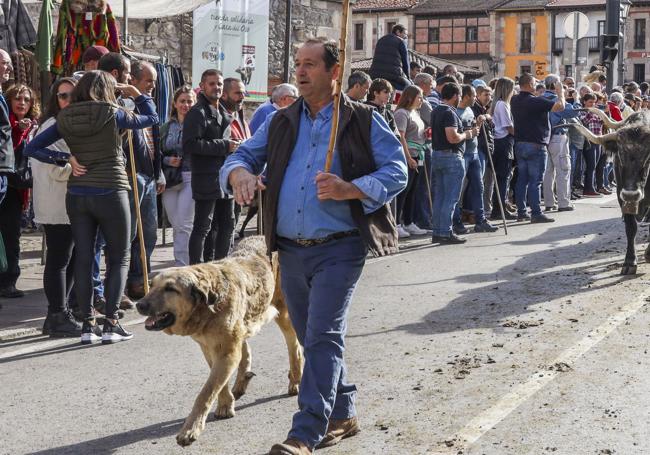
(322, 224)
(97, 190)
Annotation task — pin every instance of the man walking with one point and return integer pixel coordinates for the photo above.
(150, 181)
(322, 224)
(530, 114)
(205, 140)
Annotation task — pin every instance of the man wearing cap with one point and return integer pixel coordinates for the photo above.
(91, 56)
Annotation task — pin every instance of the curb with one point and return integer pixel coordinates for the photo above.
(21, 332)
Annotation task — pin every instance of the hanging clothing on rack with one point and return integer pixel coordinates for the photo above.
(162, 95)
(16, 28)
(78, 30)
(25, 69)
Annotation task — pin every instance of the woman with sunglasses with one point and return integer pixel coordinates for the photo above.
(50, 188)
(97, 189)
(24, 111)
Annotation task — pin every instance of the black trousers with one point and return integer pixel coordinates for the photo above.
(218, 216)
(10, 213)
(406, 199)
(600, 169)
(110, 213)
(58, 275)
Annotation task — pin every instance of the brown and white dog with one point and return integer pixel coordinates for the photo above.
(220, 305)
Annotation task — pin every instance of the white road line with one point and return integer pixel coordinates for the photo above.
(485, 421)
(43, 346)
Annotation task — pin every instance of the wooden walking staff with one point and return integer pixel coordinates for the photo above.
(138, 216)
(339, 83)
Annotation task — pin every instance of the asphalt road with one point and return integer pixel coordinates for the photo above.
(526, 344)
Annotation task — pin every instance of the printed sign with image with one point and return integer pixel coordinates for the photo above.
(232, 36)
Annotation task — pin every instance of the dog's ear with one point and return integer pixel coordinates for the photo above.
(205, 297)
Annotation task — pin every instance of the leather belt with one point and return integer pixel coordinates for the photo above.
(313, 242)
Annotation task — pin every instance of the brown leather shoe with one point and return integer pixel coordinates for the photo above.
(126, 303)
(135, 290)
(291, 447)
(339, 429)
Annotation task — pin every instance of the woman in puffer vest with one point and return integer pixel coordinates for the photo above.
(98, 187)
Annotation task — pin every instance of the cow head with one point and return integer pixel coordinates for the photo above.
(629, 143)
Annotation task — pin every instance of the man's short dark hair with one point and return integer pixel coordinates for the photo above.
(378, 86)
(448, 68)
(112, 61)
(229, 81)
(644, 87)
(429, 70)
(446, 80)
(450, 90)
(398, 28)
(358, 77)
(331, 55)
(415, 65)
(137, 68)
(526, 79)
(467, 90)
(208, 73)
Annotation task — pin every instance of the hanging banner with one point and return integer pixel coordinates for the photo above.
(232, 36)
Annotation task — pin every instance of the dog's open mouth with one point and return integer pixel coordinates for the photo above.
(160, 321)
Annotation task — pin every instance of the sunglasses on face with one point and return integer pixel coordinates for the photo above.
(63, 96)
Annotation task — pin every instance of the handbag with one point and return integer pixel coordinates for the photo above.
(173, 176)
(22, 177)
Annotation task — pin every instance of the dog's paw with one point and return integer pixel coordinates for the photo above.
(226, 411)
(293, 389)
(188, 435)
(240, 387)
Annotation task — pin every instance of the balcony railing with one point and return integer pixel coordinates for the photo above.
(593, 42)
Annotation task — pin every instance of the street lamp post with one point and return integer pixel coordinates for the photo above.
(625, 10)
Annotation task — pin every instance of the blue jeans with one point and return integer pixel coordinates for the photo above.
(448, 175)
(318, 283)
(149, 214)
(422, 215)
(591, 153)
(474, 166)
(531, 164)
(576, 160)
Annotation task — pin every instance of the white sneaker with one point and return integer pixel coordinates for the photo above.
(401, 232)
(415, 230)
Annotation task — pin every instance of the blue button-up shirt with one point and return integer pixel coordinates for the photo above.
(301, 215)
(560, 117)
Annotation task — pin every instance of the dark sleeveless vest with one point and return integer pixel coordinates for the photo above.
(378, 229)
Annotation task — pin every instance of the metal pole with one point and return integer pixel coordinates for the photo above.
(125, 22)
(621, 55)
(576, 30)
(287, 42)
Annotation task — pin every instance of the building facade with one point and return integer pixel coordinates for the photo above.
(372, 19)
(637, 43)
(521, 42)
(458, 30)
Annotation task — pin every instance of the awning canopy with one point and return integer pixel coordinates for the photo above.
(150, 9)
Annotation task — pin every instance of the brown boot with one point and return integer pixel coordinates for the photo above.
(339, 429)
(135, 290)
(291, 447)
(126, 303)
